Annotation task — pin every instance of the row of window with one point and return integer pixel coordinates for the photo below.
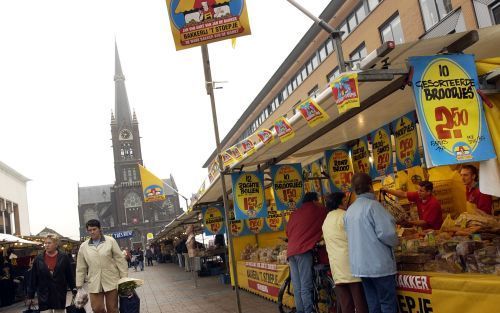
(7, 211)
(129, 175)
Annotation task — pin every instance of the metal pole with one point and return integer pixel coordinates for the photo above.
(210, 92)
(335, 34)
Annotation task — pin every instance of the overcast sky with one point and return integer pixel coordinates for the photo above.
(57, 92)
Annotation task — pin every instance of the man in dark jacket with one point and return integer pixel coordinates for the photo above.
(51, 275)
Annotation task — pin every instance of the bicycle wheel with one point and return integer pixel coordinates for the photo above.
(285, 292)
(325, 299)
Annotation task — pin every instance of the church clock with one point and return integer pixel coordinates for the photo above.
(125, 134)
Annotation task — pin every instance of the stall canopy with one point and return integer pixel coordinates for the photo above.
(6, 238)
(381, 101)
(177, 225)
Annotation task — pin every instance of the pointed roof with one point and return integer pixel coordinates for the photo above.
(48, 231)
(122, 108)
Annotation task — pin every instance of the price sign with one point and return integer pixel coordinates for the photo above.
(213, 219)
(449, 110)
(255, 225)
(288, 185)
(274, 220)
(360, 156)
(405, 137)
(248, 195)
(382, 152)
(339, 169)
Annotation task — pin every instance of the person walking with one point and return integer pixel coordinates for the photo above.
(179, 248)
(140, 258)
(348, 289)
(304, 231)
(51, 275)
(128, 256)
(101, 260)
(371, 234)
(149, 256)
(7, 295)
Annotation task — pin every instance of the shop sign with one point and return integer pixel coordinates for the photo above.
(262, 278)
(361, 156)
(288, 185)
(315, 170)
(198, 22)
(382, 152)
(345, 92)
(406, 142)
(265, 136)
(283, 129)
(213, 220)
(149, 236)
(312, 112)
(274, 219)
(123, 234)
(339, 169)
(414, 293)
(255, 225)
(152, 186)
(248, 195)
(247, 147)
(238, 228)
(450, 111)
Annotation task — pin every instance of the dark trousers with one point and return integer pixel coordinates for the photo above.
(351, 298)
(380, 294)
(150, 261)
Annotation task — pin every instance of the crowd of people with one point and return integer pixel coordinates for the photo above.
(360, 239)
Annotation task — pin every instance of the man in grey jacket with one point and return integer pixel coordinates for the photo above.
(371, 233)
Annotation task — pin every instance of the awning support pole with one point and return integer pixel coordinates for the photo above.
(210, 91)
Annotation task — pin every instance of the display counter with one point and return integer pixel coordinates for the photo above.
(263, 279)
(426, 292)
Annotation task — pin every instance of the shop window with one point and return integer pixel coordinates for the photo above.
(392, 31)
(333, 74)
(434, 10)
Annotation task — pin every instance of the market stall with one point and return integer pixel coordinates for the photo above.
(440, 269)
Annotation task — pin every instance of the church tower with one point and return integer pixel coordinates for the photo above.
(127, 154)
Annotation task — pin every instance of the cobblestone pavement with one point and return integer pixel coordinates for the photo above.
(168, 289)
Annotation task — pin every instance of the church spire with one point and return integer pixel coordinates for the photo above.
(122, 108)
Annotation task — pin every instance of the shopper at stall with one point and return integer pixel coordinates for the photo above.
(192, 247)
(51, 275)
(139, 259)
(371, 233)
(179, 250)
(304, 231)
(349, 289)
(428, 207)
(101, 261)
(475, 199)
(7, 294)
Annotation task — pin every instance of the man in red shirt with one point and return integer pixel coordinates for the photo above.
(473, 195)
(429, 209)
(304, 231)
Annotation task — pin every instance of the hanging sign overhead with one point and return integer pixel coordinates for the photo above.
(238, 227)
(406, 142)
(449, 109)
(283, 129)
(248, 195)
(312, 112)
(339, 169)
(227, 158)
(274, 219)
(288, 185)
(265, 136)
(382, 152)
(235, 152)
(213, 220)
(199, 22)
(247, 147)
(255, 225)
(361, 156)
(152, 186)
(345, 92)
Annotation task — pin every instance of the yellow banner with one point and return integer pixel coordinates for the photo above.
(152, 187)
(345, 92)
(274, 219)
(227, 158)
(255, 225)
(236, 153)
(427, 292)
(283, 129)
(361, 157)
(247, 147)
(265, 136)
(312, 112)
(198, 22)
(263, 279)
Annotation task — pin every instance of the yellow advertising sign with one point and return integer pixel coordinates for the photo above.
(345, 92)
(237, 227)
(152, 186)
(198, 22)
(283, 129)
(288, 185)
(382, 152)
(361, 157)
(213, 219)
(248, 147)
(406, 143)
(235, 152)
(339, 170)
(312, 112)
(255, 225)
(265, 136)
(263, 279)
(227, 158)
(274, 219)
(248, 195)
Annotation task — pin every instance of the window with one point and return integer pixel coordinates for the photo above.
(294, 84)
(284, 94)
(495, 12)
(322, 53)
(434, 10)
(290, 89)
(313, 91)
(329, 46)
(333, 74)
(358, 54)
(309, 68)
(352, 22)
(299, 78)
(315, 61)
(392, 31)
(372, 4)
(304, 73)
(360, 13)
(343, 28)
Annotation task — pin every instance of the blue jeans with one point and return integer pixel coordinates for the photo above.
(380, 294)
(302, 281)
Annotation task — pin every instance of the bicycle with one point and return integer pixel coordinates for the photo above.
(323, 290)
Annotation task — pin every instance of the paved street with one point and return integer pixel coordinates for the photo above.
(168, 289)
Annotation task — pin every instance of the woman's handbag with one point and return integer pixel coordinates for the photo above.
(130, 303)
(31, 309)
(72, 307)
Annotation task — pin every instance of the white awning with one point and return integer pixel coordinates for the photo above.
(6, 238)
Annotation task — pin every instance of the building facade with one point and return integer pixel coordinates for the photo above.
(366, 24)
(14, 216)
(120, 207)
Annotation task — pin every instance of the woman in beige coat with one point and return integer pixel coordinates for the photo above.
(349, 289)
(101, 263)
